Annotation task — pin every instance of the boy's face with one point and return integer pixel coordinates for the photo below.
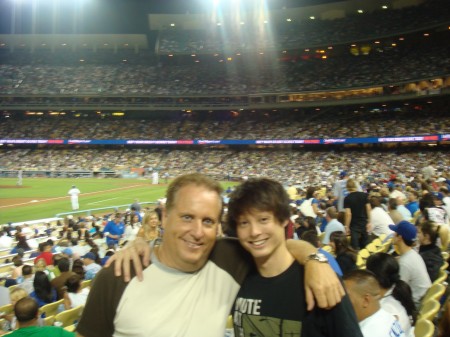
(260, 233)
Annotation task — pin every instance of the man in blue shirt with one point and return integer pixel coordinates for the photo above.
(114, 230)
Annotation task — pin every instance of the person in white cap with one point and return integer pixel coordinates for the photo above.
(74, 192)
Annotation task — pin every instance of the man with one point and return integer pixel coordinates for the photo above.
(45, 250)
(90, 267)
(413, 203)
(74, 192)
(19, 177)
(136, 206)
(357, 215)
(27, 312)
(114, 230)
(340, 192)
(5, 240)
(28, 278)
(364, 291)
(412, 267)
(333, 225)
(271, 301)
(59, 282)
(190, 271)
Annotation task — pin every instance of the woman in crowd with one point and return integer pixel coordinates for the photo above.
(427, 234)
(396, 295)
(132, 228)
(150, 226)
(345, 255)
(21, 244)
(18, 265)
(43, 292)
(75, 295)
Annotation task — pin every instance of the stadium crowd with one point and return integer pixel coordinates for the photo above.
(307, 33)
(342, 122)
(383, 67)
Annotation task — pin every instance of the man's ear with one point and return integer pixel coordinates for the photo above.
(366, 300)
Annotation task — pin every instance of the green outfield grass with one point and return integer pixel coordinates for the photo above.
(49, 196)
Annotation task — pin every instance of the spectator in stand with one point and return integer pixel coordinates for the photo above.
(5, 240)
(413, 203)
(395, 215)
(91, 268)
(412, 267)
(427, 234)
(333, 225)
(150, 226)
(364, 291)
(379, 219)
(132, 229)
(357, 215)
(45, 250)
(59, 282)
(27, 312)
(345, 255)
(396, 295)
(18, 265)
(114, 230)
(75, 295)
(78, 268)
(27, 281)
(43, 292)
(21, 244)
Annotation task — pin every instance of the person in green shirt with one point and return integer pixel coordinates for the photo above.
(27, 313)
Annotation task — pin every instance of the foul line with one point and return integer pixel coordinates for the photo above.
(66, 197)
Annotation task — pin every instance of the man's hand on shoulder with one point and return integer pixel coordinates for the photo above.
(322, 285)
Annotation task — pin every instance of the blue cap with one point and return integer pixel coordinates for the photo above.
(405, 229)
(89, 255)
(68, 251)
(438, 195)
(343, 174)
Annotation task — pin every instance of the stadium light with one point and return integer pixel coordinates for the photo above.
(360, 11)
(312, 17)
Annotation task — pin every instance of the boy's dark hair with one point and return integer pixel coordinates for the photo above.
(311, 237)
(73, 283)
(27, 270)
(262, 194)
(63, 264)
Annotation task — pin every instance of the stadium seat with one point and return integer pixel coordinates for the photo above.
(377, 242)
(69, 317)
(86, 283)
(70, 328)
(441, 278)
(48, 321)
(372, 248)
(6, 309)
(50, 309)
(435, 292)
(424, 328)
(444, 266)
(429, 310)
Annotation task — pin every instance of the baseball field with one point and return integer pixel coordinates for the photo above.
(40, 198)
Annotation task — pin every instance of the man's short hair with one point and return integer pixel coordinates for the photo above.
(26, 309)
(27, 270)
(262, 194)
(365, 282)
(392, 203)
(351, 185)
(196, 179)
(63, 264)
(332, 212)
